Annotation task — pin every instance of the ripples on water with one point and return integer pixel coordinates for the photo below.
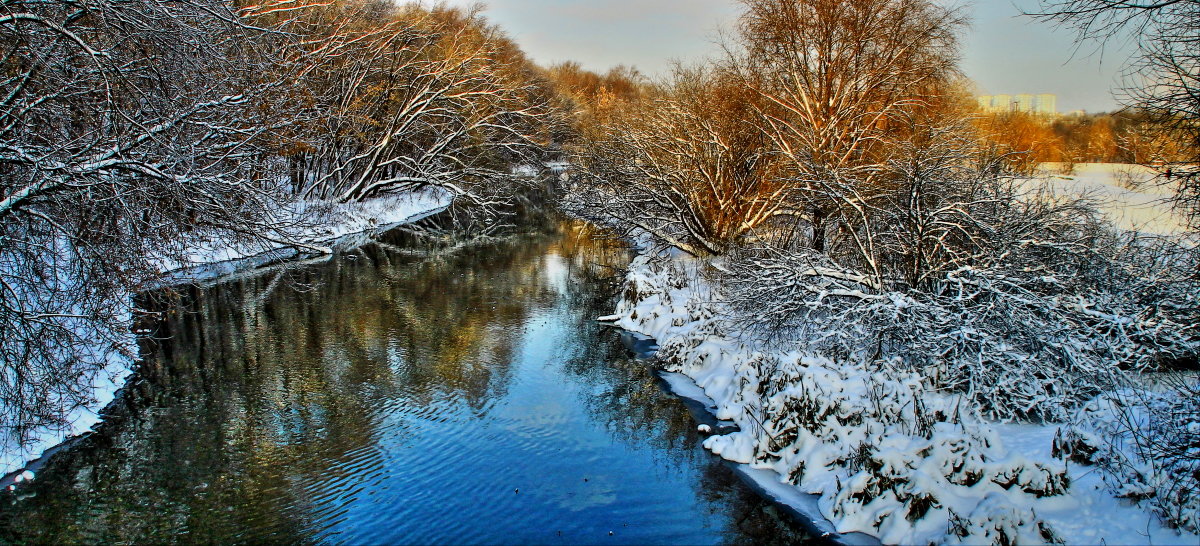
(464, 397)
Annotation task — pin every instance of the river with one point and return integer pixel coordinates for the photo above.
(397, 395)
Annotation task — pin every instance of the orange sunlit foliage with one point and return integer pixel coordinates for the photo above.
(595, 98)
(794, 129)
(837, 76)
(840, 81)
(1026, 140)
(1122, 137)
(689, 158)
(734, 187)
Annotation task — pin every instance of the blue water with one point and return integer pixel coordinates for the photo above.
(462, 397)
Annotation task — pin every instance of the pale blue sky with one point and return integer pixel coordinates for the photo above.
(1008, 53)
(1003, 52)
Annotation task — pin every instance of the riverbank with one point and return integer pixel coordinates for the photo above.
(463, 395)
(325, 228)
(882, 451)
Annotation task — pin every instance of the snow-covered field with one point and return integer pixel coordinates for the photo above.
(1127, 194)
(872, 450)
(327, 227)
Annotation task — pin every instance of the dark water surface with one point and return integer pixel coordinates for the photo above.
(394, 397)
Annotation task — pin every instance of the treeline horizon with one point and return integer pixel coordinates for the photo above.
(1125, 135)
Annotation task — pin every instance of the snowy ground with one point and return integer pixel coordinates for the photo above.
(335, 226)
(1127, 194)
(331, 226)
(850, 446)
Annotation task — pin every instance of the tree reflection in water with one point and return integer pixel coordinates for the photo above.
(302, 409)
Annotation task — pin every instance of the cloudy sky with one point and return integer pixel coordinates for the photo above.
(1003, 53)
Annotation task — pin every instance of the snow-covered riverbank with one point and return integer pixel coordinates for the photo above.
(883, 452)
(327, 227)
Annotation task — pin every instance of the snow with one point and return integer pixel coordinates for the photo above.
(872, 451)
(683, 386)
(326, 226)
(1090, 515)
(104, 385)
(336, 226)
(806, 507)
(1127, 194)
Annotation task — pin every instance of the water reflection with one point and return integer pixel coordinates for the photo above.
(464, 396)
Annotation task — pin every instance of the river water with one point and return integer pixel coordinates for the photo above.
(395, 396)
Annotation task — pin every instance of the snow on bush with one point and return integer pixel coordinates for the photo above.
(888, 454)
(1031, 333)
(1148, 443)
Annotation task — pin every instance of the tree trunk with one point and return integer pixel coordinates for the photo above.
(818, 226)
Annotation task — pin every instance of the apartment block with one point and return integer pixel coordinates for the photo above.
(1045, 103)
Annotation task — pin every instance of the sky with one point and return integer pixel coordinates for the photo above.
(1003, 52)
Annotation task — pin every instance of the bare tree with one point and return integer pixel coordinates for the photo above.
(689, 166)
(820, 87)
(1164, 76)
(835, 78)
(129, 130)
(410, 98)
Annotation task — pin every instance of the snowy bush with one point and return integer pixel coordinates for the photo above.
(887, 453)
(1148, 443)
(1033, 331)
(994, 522)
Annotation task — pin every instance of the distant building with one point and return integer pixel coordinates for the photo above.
(1023, 103)
(995, 103)
(1045, 103)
